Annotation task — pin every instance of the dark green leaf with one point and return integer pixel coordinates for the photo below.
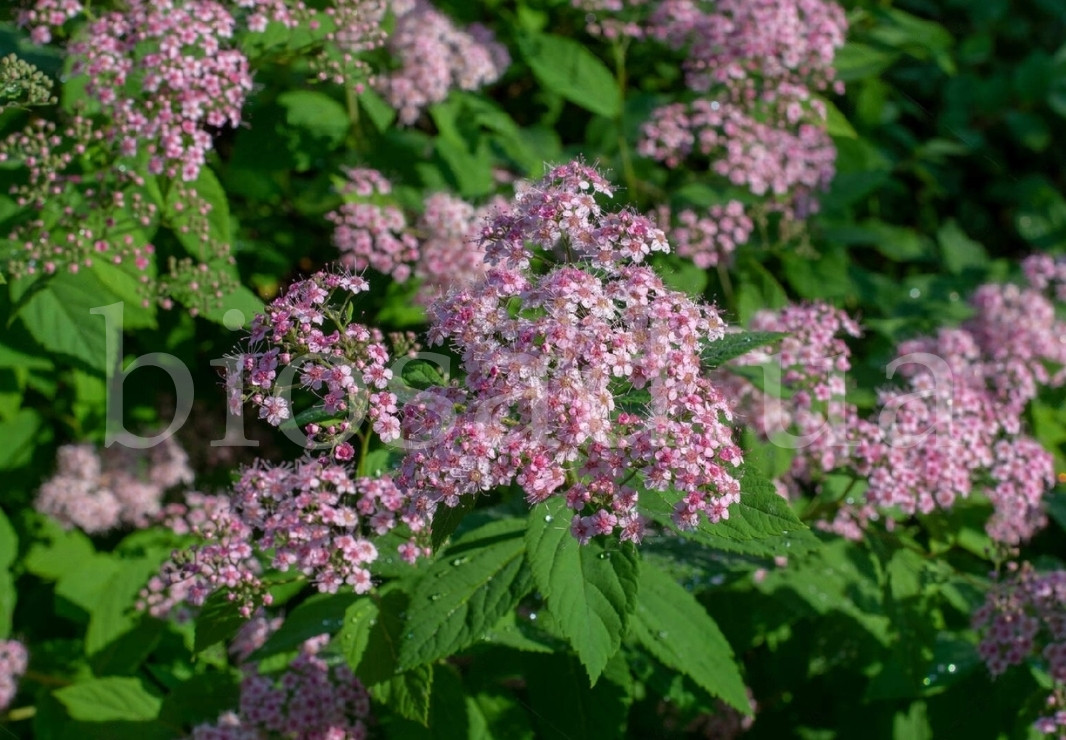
(108, 699)
(219, 620)
(465, 592)
(319, 614)
(677, 630)
(591, 590)
(447, 518)
(408, 694)
(567, 68)
(733, 345)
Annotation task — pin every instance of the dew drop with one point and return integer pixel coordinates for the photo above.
(952, 668)
(604, 556)
(435, 597)
(663, 634)
(926, 681)
(547, 517)
(532, 616)
(460, 561)
(915, 293)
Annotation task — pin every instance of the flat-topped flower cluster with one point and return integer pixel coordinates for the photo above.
(583, 375)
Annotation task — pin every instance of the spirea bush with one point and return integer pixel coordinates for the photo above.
(534, 369)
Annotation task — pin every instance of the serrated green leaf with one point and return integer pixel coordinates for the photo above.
(678, 631)
(319, 115)
(319, 614)
(762, 523)
(421, 374)
(218, 620)
(380, 660)
(447, 518)
(473, 584)
(9, 542)
(54, 550)
(591, 590)
(180, 218)
(109, 699)
(408, 694)
(57, 312)
(354, 635)
(732, 346)
(567, 68)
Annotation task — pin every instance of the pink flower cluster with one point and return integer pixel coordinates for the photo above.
(755, 65)
(792, 41)
(763, 157)
(1024, 615)
(709, 238)
(371, 231)
(583, 376)
(614, 19)
(955, 427)
(312, 516)
(450, 253)
(99, 491)
(178, 57)
(435, 56)
(223, 558)
(307, 339)
(13, 663)
(310, 700)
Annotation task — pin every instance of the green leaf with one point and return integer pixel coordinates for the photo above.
(240, 299)
(856, 61)
(836, 124)
(109, 699)
(354, 635)
(447, 518)
(422, 374)
(465, 592)
(762, 523)
(564, 705)
(219, 620)
(408, 694)
(520, 634)
(380, 113)
(9, 542)
(319, 614)
(681, 274)
(678, 631)
(181, 217)
(56, 312)
(18, 433)
(380, 660)
(54, 550)
(567, 68)
(959, 251)
(9, 546)
(736, 344)
(317, 114)
(591, 590)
